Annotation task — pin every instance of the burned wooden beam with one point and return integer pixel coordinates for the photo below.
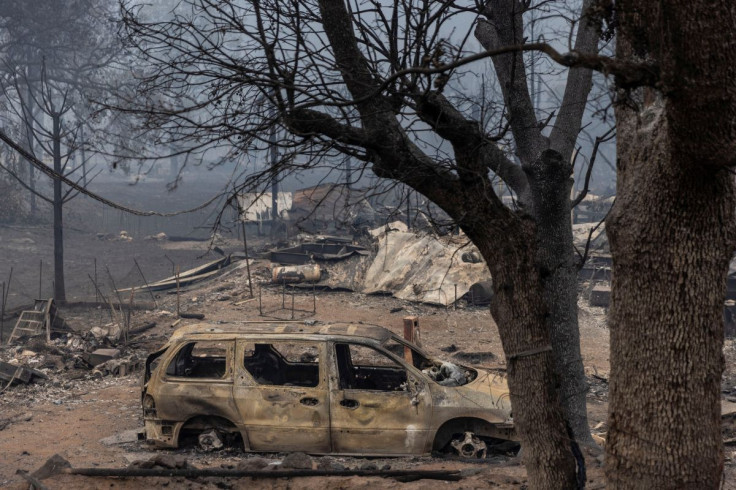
(195, 316)
(18, 374)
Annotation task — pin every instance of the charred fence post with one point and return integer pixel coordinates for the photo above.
(411, 334)
(247, 259)
(260, 302)
(2, 313)
(94, 281)
(178, 304)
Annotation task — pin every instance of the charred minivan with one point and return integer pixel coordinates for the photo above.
(350, 389)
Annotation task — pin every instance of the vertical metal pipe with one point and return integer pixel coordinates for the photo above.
(178, 304)
(97, 294)
(247, 260)
(153, 297)
(2, 314)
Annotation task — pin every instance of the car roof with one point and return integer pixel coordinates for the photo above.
(368, 331)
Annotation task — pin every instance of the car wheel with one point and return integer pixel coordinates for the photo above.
(468, 445)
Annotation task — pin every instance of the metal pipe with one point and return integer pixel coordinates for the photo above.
(153, 297)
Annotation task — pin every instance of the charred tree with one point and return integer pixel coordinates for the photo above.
(59, 287)
(51, 61)
(547, 164)
(672, 235)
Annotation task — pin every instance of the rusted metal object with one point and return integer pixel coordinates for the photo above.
(340, 388)
(296, 273)
(469, 446)
(411, 334)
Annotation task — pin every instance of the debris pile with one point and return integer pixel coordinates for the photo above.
(123, 236)
(420, 267)
(159, 237)
(31, 358)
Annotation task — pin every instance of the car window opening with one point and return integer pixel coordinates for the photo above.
(200, 360)
(283, 364)
(442, 372)
(364, 368)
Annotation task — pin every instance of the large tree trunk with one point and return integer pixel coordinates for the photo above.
(546, 161)
(59, 290)
(519, 311)
(509, 246)
(671, 232)
(670, 235)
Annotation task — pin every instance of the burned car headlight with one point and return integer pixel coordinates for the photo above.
(149, 406)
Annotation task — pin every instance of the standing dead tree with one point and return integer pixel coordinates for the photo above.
(374, 82)
(50, 62)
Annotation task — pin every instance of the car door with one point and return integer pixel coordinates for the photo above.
(197, 380)
(377, 404)
(281, 393)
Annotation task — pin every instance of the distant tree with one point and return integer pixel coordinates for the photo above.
(371, 80)
(52, 59)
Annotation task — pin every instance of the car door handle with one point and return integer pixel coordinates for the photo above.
(351, 404)
(308, 401)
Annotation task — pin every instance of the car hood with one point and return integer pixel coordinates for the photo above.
(494, 384)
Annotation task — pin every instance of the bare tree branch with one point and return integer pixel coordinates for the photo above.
(607, 136)
(505, 27)
(579, 82)
(26, 186)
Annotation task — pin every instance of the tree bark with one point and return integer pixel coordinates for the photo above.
(671, 233)
(671, 239)
(59, 289)
(550, 183)
(518, 306)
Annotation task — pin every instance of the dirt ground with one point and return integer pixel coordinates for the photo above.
(74, 410)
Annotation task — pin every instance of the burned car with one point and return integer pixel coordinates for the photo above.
(350, 389)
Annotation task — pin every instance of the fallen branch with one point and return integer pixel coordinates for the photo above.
(142, 328)
(57, 465)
